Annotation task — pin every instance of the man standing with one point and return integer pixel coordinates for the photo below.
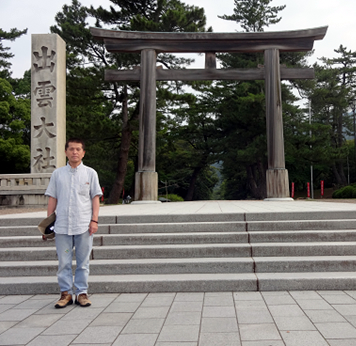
(74, 193)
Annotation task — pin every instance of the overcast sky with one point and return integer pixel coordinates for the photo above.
(339, 16)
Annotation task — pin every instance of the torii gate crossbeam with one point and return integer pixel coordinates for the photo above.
(149, 44)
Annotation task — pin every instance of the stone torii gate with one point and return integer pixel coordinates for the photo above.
(149, 44)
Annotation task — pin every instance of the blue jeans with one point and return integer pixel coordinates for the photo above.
(83, 244)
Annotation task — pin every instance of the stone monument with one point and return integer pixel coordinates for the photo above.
(48, 124)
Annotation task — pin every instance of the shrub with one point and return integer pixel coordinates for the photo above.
(173, 198)
(345, 192)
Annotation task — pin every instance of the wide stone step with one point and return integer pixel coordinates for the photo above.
(134, 266)
(172, 251)
(190, 266)
(300, 225)
(304, 264)
(303, 249)
(302, 236)
(178, 227)
(133, 251)
(188, 283)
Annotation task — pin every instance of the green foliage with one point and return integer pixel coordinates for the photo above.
(5, 54)
(254, 15)
(345, 192)
(15, 118)
(173, 198)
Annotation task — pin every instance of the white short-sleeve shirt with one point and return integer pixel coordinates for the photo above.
(74, 189)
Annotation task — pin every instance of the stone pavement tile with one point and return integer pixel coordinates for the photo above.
(135, 340)
(324, 316)
(112, 319)
(304, 295)
(80, 313)
(19, 336)
(176, 343)
(284, 299)
(130, 298)
(189, 297)
(267, 331)
(248, 315)
(316, 304)
(52, 340)
(50, 309)
(40, 321)
(345, 342)
(252, 304)
(336, 330)
(247, 296)
(54, 297)
(341, 298)
(350, 293)
(263, 343)
(6, 307)
(14, 299)
(293, 323)
(219, 311)
(186, 306)
(219, 339)
(157, 301)
(6, 325)
(286, 310)
(100, 334)
(345, 310)
(183, 317)
(154, 312)
(179, 333)
(66, 327)
(352, 320)
(161, 295)
(122, 307)
(219, 325)
(303, 338)
(145, 326)
(102, 300)
(34, 304)
(218, 300)
(108, 344)
(16, 314)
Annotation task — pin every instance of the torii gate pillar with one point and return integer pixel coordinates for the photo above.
(276, 175)
(146, 179)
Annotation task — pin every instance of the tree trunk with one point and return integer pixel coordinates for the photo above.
(337, 175)
(190, 193)
(123, 156)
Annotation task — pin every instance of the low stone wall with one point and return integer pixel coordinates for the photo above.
(23, 189)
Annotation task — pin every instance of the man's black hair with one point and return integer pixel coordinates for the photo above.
(75, 140)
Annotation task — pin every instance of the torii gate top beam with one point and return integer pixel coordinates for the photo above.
(171, 42)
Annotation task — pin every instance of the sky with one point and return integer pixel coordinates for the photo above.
(339, 16)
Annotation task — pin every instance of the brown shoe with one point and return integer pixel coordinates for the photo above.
(66, 299)
(82, 300)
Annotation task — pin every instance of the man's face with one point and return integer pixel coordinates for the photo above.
(75, 153)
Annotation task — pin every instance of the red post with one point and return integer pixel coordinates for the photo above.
(308, 190)
(322, 188)
(102, 197)
(292, 190)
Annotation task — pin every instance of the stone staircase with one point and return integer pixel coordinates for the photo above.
(196, 252)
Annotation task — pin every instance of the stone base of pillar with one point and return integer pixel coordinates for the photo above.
(146, 186)
(277, 184)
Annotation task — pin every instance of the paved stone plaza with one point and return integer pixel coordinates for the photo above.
(314, 318)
